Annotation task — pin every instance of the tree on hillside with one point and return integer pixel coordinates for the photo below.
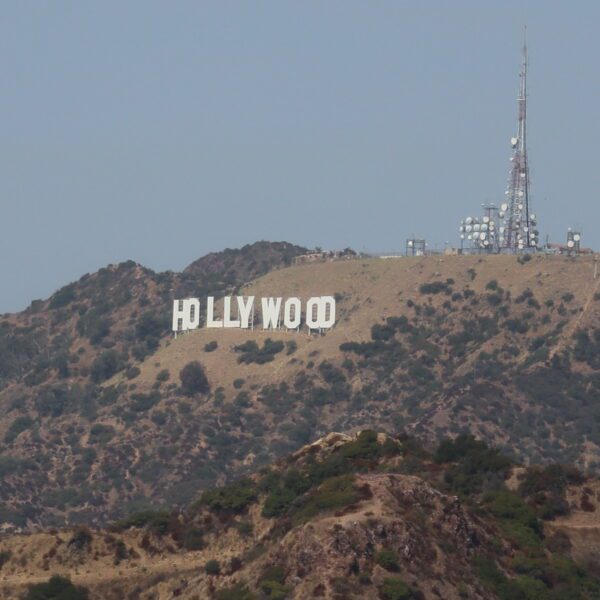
(56, 588)
(193, 379)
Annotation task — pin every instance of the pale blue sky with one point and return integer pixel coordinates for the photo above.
(160, 131)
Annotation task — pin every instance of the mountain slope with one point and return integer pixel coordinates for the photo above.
(505, 348)
(344, 518)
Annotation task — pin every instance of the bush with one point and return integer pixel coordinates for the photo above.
(101, 434)
(252, 353)
(192, 539)
(156, 521)
(5, 556)
(233, 498)
(476, 463)
(132, 372)
(212, 567)
(56, 588)
(105, 366)
(81, 539)
(64, 296)
(163, 375)
(193, 379)
(237, 592)
(211, 346)
(388, 559)
(394, 588)
(18, 426)
(435, 287)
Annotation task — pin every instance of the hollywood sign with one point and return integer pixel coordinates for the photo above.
(319, 313)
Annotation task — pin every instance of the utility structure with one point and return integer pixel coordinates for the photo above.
(573, 241)
(415, 247)
(518, 231)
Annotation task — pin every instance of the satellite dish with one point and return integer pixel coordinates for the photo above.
(521, 193)
(501, 214)
(469, 220)
(482, 236)
(484, 227)
(532, 217)
(513, 141)
(576, 237)
(486, 219)
(410, 242)
(469, 237)
(504, 207)
(462, 236)
(570, 243)
(520, 207)
(476, 227)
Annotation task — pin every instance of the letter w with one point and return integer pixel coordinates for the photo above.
(271, 308)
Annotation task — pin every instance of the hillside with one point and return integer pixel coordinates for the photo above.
(368, 516)
(95, 423)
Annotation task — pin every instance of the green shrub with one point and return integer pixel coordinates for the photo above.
(56, 588)
(17, 427)
(233, 498)
(163, 375)
(106, 365)
(211, 346)
(5, 556)
(64, 296)
(336, 492)
(156, 521)
(132, 372)
(435, 287)
(250, 352)
(476, 463)
(193, 379)
(193, 539)
(212, 567)
(81, 538)
(394, 588)
(518, 519)
(388, 559)
(237, 592)
(101, 434)
(272, 583)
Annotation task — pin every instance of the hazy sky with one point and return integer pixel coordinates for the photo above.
(160, 131)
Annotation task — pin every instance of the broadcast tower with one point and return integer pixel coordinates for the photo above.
(519, 232)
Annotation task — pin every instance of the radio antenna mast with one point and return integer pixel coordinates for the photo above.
(519, 232)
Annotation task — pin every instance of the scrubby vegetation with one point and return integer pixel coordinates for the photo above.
(57, 588)
(251, 352)
(193, 379)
